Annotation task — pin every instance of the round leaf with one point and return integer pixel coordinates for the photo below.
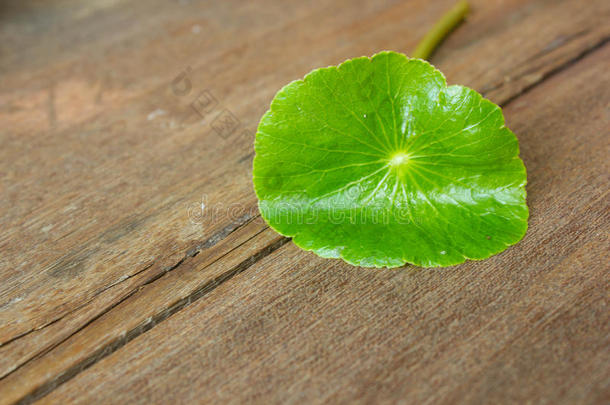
(379, 162)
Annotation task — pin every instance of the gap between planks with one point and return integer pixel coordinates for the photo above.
(152, 321)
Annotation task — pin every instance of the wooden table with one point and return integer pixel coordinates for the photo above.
(120, 119)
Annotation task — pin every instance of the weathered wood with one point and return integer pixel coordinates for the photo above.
(110, 195)
(101, 162)
(144, 308)
(104, 192)
(530, 325)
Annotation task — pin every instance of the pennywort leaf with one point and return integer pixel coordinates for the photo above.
(379, 162)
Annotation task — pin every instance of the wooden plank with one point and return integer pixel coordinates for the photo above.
(527, 326)
(99, 200)
(142, 310)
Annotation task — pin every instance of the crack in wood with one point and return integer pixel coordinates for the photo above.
(554, 45)
(150, 322)
(54, 321)
(547, 75)
(208, 243)
(559, 42)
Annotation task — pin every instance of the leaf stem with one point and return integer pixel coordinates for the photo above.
(440, 30)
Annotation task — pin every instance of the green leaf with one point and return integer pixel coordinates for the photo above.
(378, 162)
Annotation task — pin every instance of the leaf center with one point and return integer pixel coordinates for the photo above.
(400, 159)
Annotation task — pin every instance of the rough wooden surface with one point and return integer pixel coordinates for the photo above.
(530, 324)
(106, 263)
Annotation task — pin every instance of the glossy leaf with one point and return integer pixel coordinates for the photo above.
(378, 162)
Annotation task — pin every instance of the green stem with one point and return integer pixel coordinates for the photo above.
(440, 30)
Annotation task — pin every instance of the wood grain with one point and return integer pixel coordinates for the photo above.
(528, 325)
(106, 193)
(104, 163)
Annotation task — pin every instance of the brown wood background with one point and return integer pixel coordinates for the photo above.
(114, 288)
